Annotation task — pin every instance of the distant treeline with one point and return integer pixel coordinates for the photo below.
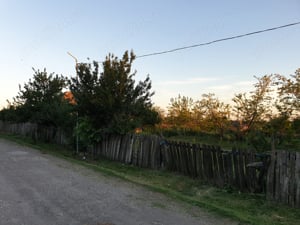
(267, 116)
(103, 98)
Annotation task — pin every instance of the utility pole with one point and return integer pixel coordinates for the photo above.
(77, 138)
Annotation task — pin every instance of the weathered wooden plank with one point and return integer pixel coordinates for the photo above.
(159, 153)
(207, 163)
(251, 173)
(179, 148)
(140, 150)
(225, 165)
(291, 177)
(235, 168)
(135, 145)
(147, 144)
(168, 156)
(277, 177)
(189, 159)
(124, 146)
(186, 154)
(193, 160)
(220, 164)
(199, 165)
(213, 165)
(181, 151)
(128, 155)
(172, 158)
(297, 180)
(284, 177)
(172, 155)
(241, 168)
(176, 157)
(165, 148)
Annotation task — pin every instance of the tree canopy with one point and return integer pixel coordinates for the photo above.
(110, 100)
(41, 100)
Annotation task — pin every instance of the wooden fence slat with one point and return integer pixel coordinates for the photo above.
(199, 161)
(297, 180)
(235, 168)
(277, 177)
(194, 160)
(271, 177)
(283, 180)
(291, 177)
(242, 167)
(221, 172)
(207, 163)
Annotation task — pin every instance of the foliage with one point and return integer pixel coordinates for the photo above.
(289, 94)
(85, 133)
(180, 112)
(208, 114)
(41, 100)
(216, 114)
(250, 110)
(265, 118)
(110, 99)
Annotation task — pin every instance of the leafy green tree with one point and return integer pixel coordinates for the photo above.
(9, 113)
(216, 114)
(280, 126)
(180, 112)
(110, 99)
(289, 94)
(41, 100)
(250, 110)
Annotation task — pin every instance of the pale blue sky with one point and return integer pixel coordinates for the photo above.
(39, 33)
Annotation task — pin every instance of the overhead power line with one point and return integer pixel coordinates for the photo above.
(218, 40)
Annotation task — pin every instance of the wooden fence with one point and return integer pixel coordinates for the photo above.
(241, 169)
(36, 132)
(222, 168)
(283, 179)
(276, 174)
(139, 150)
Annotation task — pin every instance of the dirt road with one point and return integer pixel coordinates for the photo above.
(38, 189)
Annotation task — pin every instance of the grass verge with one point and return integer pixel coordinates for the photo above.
(245, 208)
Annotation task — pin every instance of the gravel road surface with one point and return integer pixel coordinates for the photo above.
(38, 189)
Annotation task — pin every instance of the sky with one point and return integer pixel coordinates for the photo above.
(38, 34)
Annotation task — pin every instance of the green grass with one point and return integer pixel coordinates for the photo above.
(245, 208)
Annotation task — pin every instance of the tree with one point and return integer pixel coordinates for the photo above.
(110, 99)
(41, 100)
(250, 110)
(289, 94)
(180, 112)
(216, 113)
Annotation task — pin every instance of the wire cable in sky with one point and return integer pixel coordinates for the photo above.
(218, 40)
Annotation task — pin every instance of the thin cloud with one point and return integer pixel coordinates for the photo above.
(187, 81)
(244, 83)
(221, 87)
(224, 85)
